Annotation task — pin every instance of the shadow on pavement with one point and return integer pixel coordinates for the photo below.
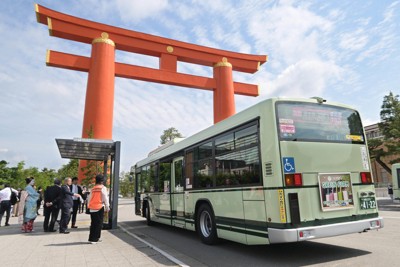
(143, 248)
(298, 254)
(68, 244)
(228, 253)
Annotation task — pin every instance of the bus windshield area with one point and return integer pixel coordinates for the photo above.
(299, 121)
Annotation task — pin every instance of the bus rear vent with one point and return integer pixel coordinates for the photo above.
(268, 169)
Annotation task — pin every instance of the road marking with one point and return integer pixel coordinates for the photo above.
(165, 254)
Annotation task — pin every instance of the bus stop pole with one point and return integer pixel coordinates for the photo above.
(105, 170)
(115, 186)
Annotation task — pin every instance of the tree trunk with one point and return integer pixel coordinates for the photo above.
(383, 164)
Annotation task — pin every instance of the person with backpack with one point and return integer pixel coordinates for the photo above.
(8, 197)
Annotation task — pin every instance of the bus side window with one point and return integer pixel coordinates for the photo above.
(179, 183)
(164, 177)
(189, 170)
(237, 158)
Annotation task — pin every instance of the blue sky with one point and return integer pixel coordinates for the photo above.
(343, 51)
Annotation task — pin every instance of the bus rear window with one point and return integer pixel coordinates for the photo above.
(298, 121)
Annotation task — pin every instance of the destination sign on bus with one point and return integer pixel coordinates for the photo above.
(319, 123)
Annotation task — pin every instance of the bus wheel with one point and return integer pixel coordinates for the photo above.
(205, 225)
(147, 211)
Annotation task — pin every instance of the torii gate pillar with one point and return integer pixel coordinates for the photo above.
(224, 93)
(99, 103)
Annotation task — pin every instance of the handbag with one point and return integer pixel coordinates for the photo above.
(14, 198)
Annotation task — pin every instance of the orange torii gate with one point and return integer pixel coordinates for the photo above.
(102, 68)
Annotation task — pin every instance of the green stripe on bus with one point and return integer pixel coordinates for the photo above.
(242, 231)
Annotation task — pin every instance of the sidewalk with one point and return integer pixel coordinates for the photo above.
(54, 249)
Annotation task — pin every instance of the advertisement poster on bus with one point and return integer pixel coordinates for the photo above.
(335, 191)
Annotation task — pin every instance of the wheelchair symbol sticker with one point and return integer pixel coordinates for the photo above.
(288, 165)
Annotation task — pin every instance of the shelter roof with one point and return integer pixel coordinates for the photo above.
(89, 149)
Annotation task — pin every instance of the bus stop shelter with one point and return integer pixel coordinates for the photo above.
(97, 150)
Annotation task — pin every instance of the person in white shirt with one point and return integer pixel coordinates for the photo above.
(76, 189)
(5, 205)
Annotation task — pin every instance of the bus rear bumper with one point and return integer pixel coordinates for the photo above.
(307, 233)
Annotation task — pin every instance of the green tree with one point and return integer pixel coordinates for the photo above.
(92, 167)
(69, 170)
(169, 135)
(390, 128)
(15, 176)
(90, 171)
(46, 177)
(5, 173)
(126, 185)
(18, 175)
(390, 117)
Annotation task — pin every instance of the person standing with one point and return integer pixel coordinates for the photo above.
(76, 189)
(85, 194)
(51, 206)
(15, 208)
(39, 201)
(27, 206)
(66, 205)
(97, 203)
(5, 204)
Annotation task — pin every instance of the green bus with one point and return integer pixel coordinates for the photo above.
(396, 182)
(283, 170)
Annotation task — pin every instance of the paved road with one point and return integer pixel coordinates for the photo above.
(375, 248)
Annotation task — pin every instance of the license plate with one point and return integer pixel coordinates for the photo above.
(368, 203)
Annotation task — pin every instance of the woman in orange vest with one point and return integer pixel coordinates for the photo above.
(98, 202)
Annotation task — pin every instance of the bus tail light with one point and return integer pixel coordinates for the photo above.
(366, 177)
(293, 179)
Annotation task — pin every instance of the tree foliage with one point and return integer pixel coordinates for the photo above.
(169, 135)
(90, 171)
(126, 185)
(70, 169)
(92, 167)
(15, 176)
(389, 126)
(390, 117)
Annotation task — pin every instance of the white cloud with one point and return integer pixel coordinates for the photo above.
(305, 78)
(136, 10)
(202, 36)
(289, 33)
(186, 11)
(384, 36)
(389, 12)
(356, 40)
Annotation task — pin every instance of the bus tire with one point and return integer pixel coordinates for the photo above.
(205, 225)
(147, 213)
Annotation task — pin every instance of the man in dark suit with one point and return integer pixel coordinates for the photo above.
(66, 205)
(51, 207)
(77, 189)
